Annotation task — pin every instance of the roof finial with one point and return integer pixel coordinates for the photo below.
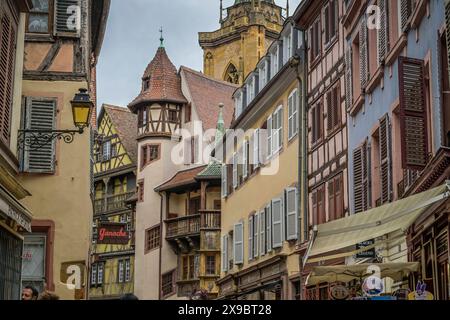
(221, 11)
(287, 8)
(162, 38)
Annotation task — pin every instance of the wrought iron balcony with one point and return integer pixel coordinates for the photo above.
(112, 203)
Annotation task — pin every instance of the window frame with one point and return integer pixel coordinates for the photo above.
(51, 13)
(152, 235)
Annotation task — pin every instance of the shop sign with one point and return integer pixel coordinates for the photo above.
(339, 292)
(14, 214)
(369, 254)
(113, 233)
(421, 293)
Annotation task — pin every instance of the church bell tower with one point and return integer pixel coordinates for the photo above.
(247, 29)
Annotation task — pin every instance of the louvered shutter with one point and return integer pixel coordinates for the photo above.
(383, 32)
(331, 201)
(268, 211)
(256, 153)
(67, 16)
(235, 170)
(245, 159)
(262, 229)
(385, 160)
(250, 238)
(358, 176)
(447, 23)
(348, 79)
(256, 235)
(277, 223)
(338, 195)
(230, 179)
(276, 132)
(280, 120)
(238, 243)
(40, 114)
(291, 214)
(321, 205)
(224, 181)
(224, 253)
(363, 52)
(315, 212)
(269, 137)
(8, 31)
(405, 13)
(291, 116)
(330, 110)
(413, 113)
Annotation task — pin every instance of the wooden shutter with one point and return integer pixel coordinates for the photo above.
(8, 31)
(363, 53)
(277, 223)
(383, 32)
(321, 205)
(65, 11)
(348, 79)
(245, 159)
(224, 263)
(339, 197)
(229, 179)
(447, 23)
(238, 243)
(262, 235)
(360, 179)
(291, 116)
(224, 181)
(314, 208)
(330, 110)
(256, 153)
(385, 160)
(280, 120)
(405, 13)
(269, 137)
(268, 211)
(331, 201)
(413, 122)
(40, 114)
(256, 235)
(291, 214)
(235, 170)
(250, 238)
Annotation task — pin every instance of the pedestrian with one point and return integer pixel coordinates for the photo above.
(46, 295)
(129, 296)
(29, 293)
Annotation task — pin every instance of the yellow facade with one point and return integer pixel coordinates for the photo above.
(232, 52)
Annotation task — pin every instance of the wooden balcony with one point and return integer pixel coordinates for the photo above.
(112, 203)
(190, 226)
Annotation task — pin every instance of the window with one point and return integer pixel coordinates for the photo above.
(331, 21)
(245, 162)
(317, 123)
(39, 114)
(315, 42)
(100, 273)
(39, 17)
(173, 116)
(140, 191)
(361, 178)
(256, 149)
(94, 275)
(274, 62)
(287, 47)
(251, 253)
(238, 243)
(293, 114)
(318, 205)
(250, 90)
(188, 113)
(235, 170)
(120, 271)
(168, 283)
(263, 75)
(114, 150)
(334, 119)
(232, 74)
(335, 198)
(33, 261)
(210, 265)
(189, 267)
(238, 104)
(152, 238)
(150, 153)
(106, 150)
(127, 270)
(275, 131)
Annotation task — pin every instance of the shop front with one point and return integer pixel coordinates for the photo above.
(365, 241)
(15, 220)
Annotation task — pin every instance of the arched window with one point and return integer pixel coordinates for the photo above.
(232, 75)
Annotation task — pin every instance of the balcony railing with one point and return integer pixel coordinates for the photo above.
(191, 225)
(112, 203)
(409, 177)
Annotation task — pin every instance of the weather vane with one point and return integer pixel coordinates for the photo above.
(162, 38)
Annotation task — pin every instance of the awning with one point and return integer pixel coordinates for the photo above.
(397, 216)
(342, 273)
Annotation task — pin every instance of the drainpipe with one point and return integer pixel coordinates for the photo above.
(160, 245)
(300, 62)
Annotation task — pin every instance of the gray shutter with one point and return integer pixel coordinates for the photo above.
(291, 214)
(363, 53)
(385, 160)
(40, 114)
(250, 238)
(262, 235)
(348, 79)
(269, 227)
(383, 32)
(224, 253)
(269, 138)
(64, 16)
(255, 235)
(224, 181)
(238, 247)
(277, 223)
(256, 149)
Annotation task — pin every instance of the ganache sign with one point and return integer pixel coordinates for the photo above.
(112, 233)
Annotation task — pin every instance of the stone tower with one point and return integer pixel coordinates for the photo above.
(246, 31)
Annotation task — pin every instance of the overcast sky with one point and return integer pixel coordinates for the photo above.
(132, 39)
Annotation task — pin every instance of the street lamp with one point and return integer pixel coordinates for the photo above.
(81, 111)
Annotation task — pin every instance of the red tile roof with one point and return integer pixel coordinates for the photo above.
(206, 95)
(180, 179)
(125, 124)
(164, 84)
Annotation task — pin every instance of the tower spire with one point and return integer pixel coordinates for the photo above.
(162, 38)
(287, 8)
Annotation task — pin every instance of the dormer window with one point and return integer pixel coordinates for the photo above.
(146, 84)
(250, 90)
(274, 58)
(263, 75)
(287, 46)
(238, 104)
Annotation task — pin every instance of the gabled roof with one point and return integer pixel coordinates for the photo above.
(180, 180)
(125, 124)
(206, 94)
(164, 82)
